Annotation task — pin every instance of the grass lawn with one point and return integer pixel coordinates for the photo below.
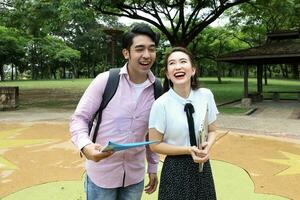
(65, 94)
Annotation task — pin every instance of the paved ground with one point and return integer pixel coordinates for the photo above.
(248, 162)
(271, 118)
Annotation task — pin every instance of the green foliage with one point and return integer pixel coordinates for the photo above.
(11, 48)
(49, 39)
(209, 45)
(67, 55)
(11, 45)
(63, 36)
(262, 16)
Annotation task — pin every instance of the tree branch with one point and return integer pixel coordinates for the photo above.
(210, 18)
(243, 40)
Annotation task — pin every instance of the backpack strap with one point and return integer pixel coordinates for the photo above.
(109, 91)
(158, 90)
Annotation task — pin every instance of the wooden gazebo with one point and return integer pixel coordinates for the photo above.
(280, 48)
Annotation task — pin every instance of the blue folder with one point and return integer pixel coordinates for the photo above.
(111, 146)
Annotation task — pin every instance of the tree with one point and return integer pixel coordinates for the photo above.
(210, 44)
(84, 30)
(67, 57)
(35, 19)
(179, 20)
(56, 55)
(78, 27)
(11, 48)
(259, 17)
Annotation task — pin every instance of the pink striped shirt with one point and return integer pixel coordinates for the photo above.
(123, 120)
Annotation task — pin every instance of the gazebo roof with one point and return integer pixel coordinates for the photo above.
(276, 52)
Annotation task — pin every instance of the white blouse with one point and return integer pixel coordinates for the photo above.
(169, 118)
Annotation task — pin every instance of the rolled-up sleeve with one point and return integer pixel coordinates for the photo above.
(157, 117)
(86, 108)
(212, 108)
(156, 120)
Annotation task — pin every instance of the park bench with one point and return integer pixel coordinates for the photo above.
(9, 98)
(276, 94)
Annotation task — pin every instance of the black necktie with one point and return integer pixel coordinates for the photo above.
(189, 109)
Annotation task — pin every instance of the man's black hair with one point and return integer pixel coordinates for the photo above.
(139, 29)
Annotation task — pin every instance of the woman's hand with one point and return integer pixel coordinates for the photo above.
(205, 147)
(200, 155)
(92, 152)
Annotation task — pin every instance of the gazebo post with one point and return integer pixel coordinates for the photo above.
(259, 82)
(246, 101)
(259, 78)
(265, 74)
(246, 74)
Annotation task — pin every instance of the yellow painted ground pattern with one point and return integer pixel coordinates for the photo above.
(38, 161)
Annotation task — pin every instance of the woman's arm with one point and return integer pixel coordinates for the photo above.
(164, 148)
(167, 149)
(212, 128)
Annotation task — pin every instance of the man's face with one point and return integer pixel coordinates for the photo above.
(141, 55)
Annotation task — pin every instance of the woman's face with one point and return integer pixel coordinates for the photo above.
(179, 68)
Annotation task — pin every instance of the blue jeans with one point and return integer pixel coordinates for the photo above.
(131, 192)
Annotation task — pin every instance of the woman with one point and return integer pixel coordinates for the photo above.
(169, 124)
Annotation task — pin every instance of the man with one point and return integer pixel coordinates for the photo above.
(120, 175)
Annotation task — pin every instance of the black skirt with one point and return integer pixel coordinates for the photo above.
(181, 180)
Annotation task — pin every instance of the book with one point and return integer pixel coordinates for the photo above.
(203, 134)
(111, 146)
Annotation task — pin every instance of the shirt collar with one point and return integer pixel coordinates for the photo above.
(181, 99)
(124, 71)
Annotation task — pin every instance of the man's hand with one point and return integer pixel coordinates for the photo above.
(92, 152)
(152, 185)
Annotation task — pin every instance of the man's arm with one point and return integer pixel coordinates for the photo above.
(87, 106)
(152, 160)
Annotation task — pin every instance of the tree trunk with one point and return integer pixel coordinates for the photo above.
(229, 72)
(286, 71)
(2, 77)
(53, 72)
(219, 73)
(12, 72)
(33, 63)
(270, 71)
(295, 72)
(16, 74)
(283, 71)
(94, 70)
(64, 72)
